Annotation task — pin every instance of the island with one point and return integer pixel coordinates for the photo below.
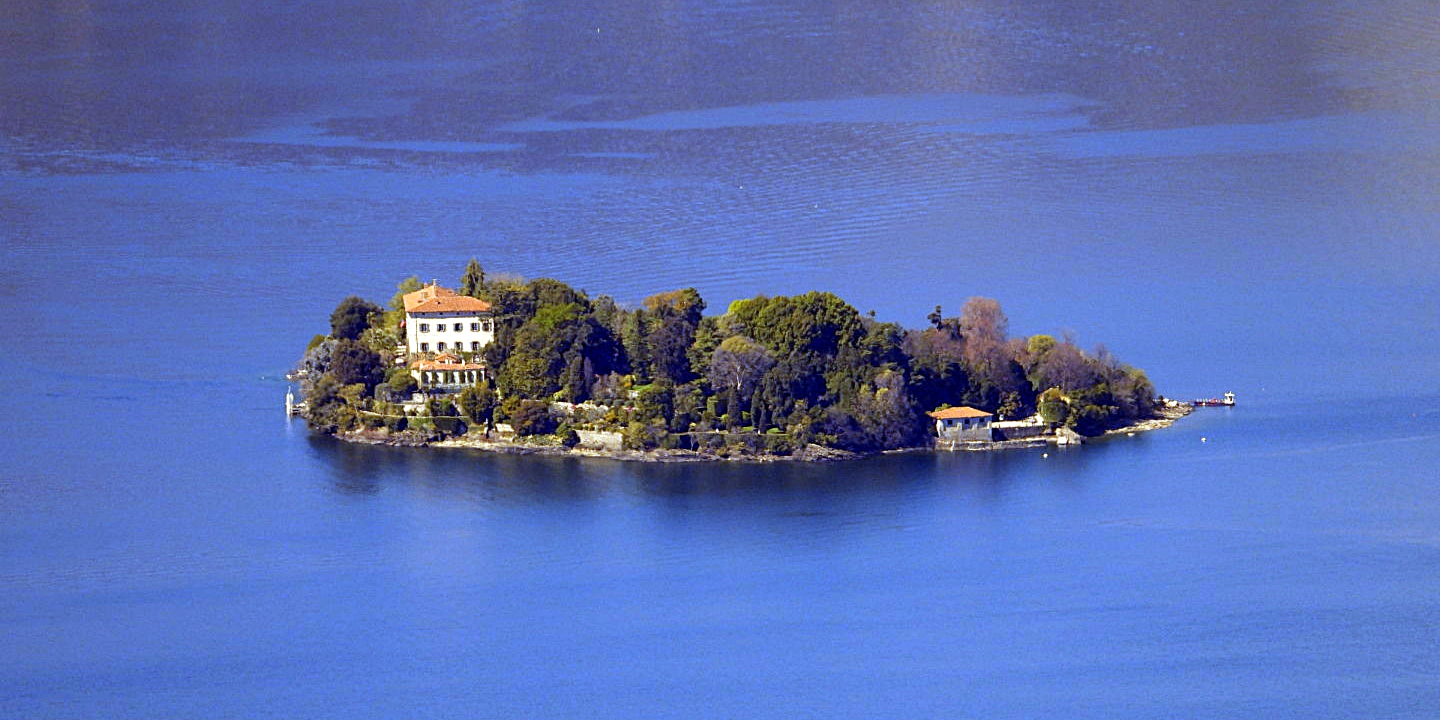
(513, 365)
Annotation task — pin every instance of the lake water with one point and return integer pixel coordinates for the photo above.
(1244, 196)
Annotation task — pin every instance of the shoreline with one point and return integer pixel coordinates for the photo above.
(1169, 414)
(810, 453)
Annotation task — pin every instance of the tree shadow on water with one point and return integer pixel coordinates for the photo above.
(458, 474)
(466, 475)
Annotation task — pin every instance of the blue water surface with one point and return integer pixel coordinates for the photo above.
(1235, 197)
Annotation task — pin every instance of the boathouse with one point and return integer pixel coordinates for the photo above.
(962, 423)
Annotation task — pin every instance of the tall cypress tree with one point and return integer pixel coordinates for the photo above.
(472, 283)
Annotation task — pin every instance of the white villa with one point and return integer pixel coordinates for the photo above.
(440, 320)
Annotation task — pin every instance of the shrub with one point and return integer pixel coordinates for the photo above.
(640, 436)
(1091, 420)
(779, 444)
(399, 385)
(569, 438)
(532, 417)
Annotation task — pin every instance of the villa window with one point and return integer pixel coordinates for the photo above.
(475, 327)
(459, 327)
(474, 347)
(442, 346)
(486, 326)
(424, 327)
(424, 347)
(439, 327)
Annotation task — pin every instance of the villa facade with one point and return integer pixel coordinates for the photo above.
(439, 320)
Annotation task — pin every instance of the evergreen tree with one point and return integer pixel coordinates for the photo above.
(472, 283)
(352, 317)
(406, 286)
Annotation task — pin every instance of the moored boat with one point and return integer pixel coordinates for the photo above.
(1225, 401)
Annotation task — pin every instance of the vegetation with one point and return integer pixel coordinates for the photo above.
(768, 375)
(352, 317)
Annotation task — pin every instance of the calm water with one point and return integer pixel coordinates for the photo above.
(1236, 197)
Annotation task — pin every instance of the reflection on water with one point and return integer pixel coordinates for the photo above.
(446, 475)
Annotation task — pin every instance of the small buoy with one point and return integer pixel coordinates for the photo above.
(1204, 439)
(1045, 455)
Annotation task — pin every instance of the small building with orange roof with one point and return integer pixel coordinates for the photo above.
(962, 423)
(441, 320)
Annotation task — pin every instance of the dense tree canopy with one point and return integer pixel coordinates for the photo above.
(781, 371)
(352, 317)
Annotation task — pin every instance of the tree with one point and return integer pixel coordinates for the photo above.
(686, 304)
(532, 417)
(672, 320)
(477, 404)
(670, 343)
(606, 312)
(633, 337)
(1038, 345)
(1133, 392)
(938, 375)
(547, 292)
(1064, 366)
(1091, 420)
(569, 438)
(983, 323)
(318, 357)
(561, 348)
(815, 325)
(1052, 406)
(352, 317)
(739, 363)
(688, 407)
(708, 336)
(444, 416)
(472, 283)
(983, 329)
(406, 286)
(655, 403)
(327, 409)
(352, 362)
(399, 384)
(885, 414)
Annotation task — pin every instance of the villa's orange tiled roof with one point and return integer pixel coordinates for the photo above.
(450, 303)
(957, 413)
(433, 298)
(429, 292)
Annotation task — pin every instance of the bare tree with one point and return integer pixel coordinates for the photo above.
(739, 363)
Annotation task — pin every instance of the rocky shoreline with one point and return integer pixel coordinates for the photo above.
(1168, 415)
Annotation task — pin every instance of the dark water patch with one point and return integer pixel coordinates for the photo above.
(1234, 198)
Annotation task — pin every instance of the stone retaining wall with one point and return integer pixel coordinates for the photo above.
(597, 440)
